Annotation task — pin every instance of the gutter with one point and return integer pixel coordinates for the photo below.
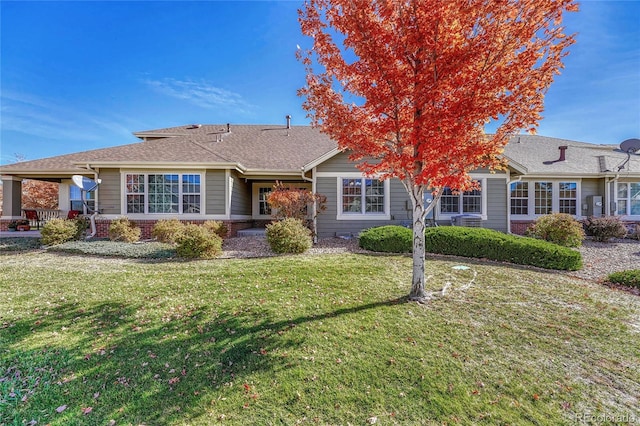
(314, 208)
(92, 218)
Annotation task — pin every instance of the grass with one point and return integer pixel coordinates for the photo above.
(308, 339)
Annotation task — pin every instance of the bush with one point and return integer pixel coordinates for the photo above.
(289, 236)
(217, 227)
(122, 229)
(389, 239)
(197, 242)
(604, 228)
(58, 231)
(558, 228)
(167, 230)
(82, 224)
(494, 245)
(629, 278)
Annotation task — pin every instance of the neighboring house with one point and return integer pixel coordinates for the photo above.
(222, 172)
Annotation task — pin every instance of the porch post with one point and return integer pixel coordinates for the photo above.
(11, 197)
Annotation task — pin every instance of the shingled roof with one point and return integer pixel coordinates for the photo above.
(280, 149)
(245, 147)
(539, 156)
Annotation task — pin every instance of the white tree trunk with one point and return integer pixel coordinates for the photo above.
(418, 292)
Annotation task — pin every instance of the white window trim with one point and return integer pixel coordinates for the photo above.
(483, 210)
(555, 197)
(255, 196)
(146, 214)
(626, 216)
(386, 215)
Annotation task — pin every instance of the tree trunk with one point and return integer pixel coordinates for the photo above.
(418, 292)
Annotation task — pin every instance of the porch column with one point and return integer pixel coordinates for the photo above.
(11, 197)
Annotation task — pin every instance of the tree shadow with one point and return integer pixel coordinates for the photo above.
(135, 368)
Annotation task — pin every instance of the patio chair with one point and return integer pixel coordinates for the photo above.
(33, 216)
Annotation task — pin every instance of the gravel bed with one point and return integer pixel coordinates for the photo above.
(600, 259)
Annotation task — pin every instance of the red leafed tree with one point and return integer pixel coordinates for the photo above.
(297, 203)
(39, 194)
(407, 86)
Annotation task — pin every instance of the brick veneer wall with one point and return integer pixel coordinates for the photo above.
(146, 226)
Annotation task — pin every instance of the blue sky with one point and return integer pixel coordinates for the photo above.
(81, 75)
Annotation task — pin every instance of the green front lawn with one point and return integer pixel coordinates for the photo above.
(308, 339)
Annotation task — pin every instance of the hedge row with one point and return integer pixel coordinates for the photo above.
(476, 243)
(494, 245)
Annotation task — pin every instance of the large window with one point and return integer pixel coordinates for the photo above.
(362, 196)
(628, 198)
(161, 193)
(468, 202)
(543, 197)
(75, 200)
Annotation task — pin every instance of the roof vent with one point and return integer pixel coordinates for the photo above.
(194, 126)
(288, 117)
(228, 128)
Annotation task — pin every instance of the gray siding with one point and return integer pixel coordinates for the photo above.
(329, 226)
(109, 196)
(339, 163)
(496, 205)
(216, 187)
(240, 195)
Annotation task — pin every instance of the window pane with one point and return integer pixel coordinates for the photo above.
(263, 194)
(622, 207)
(543, 192)
(163, 193)
(567, 195)
(374, 196)
(622, 190)
(352, 195)
(135, 203)
(449, 203)
(191, 184)
(190, 204)
(472, 201)
(634, 195)
(134, 184)
(520, 198)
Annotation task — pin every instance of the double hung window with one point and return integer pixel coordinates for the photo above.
(628, 198)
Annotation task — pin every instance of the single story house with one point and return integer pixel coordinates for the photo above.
(225, 172)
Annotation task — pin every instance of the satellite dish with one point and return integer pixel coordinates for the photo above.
(630, 146)
(85, 183)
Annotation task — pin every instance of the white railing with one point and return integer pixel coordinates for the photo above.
(44, 215)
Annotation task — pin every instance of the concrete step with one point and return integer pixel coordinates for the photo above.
(252, 232)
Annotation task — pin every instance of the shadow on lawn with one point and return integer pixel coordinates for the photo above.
(132, 367)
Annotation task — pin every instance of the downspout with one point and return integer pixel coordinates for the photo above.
(607, 194)
(509, 182)
(92, 218)
(314, 208)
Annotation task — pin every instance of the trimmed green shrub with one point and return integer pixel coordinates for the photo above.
(217, 227)
(289, 236)
(122, 229)
(167, 230)
(629, 278)
(197, 242)
(389, 239)
(82, 224)
(58, 231)
(604, 228)
(558, 228)
(494, 245)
